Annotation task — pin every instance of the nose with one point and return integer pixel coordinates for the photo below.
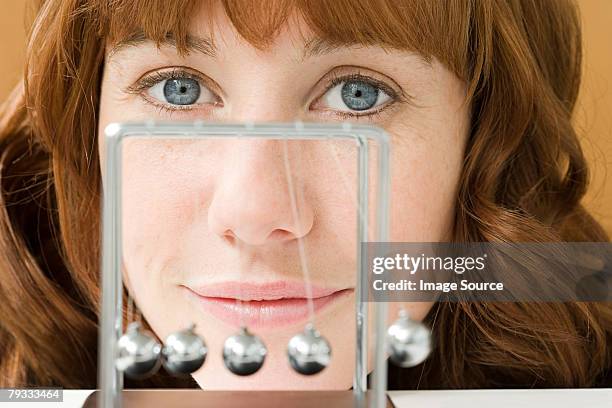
(251, 200)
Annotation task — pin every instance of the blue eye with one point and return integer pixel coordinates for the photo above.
(359, 95)
(181, 91)
(354, 95)
(178, 91)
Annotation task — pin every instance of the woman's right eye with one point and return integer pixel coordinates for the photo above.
(180, 91)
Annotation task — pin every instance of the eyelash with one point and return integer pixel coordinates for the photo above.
(156, 77)
(396, 97)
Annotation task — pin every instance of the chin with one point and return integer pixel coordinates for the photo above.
(269, 384)
(275, 375)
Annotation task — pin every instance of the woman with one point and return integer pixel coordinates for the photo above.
(477, 97)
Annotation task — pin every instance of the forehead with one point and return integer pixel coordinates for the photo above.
(231, 27)
(215, 38)
(211, 32)
(428, 28)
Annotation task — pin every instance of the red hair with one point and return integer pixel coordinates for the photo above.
(523, 178)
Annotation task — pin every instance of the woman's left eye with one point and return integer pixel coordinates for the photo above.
(181, 91)
(354, 95)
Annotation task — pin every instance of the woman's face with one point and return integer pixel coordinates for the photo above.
(208, 223)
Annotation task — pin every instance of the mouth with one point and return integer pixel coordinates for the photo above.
(264, 305)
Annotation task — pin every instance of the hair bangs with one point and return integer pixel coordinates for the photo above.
(432, 29)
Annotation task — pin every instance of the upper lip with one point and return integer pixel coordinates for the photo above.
(274, 290)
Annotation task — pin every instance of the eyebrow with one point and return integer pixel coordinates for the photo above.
(319, 46)
(202, 45)
(313, 47)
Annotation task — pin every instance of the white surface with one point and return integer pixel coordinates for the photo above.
(582, 398)
(574, 398)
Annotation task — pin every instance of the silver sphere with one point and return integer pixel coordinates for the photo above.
(184, 352)
(139, 352)
(308, 352)
(244, 353)
(408, 341)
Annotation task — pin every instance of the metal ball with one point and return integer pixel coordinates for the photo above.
(244, 353)
(184, 352)
(308, 352)
(408, 341)
(138, 352)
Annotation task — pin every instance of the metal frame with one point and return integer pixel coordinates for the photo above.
(111, 327)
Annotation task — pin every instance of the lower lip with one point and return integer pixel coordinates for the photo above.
(265, 313)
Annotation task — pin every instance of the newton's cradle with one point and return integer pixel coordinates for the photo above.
(136, 353)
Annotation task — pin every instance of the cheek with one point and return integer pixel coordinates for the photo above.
(428, 151)
(423, 201)
(162, 189)
(425, 177)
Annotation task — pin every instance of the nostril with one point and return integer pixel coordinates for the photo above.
(281, 235)
(229, 237)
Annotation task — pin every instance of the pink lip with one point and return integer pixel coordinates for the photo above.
(264, 305)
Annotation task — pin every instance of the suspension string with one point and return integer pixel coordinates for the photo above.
(139, 313)
(241, 267)
(239, 301)
(130, 308)
(300, 240)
